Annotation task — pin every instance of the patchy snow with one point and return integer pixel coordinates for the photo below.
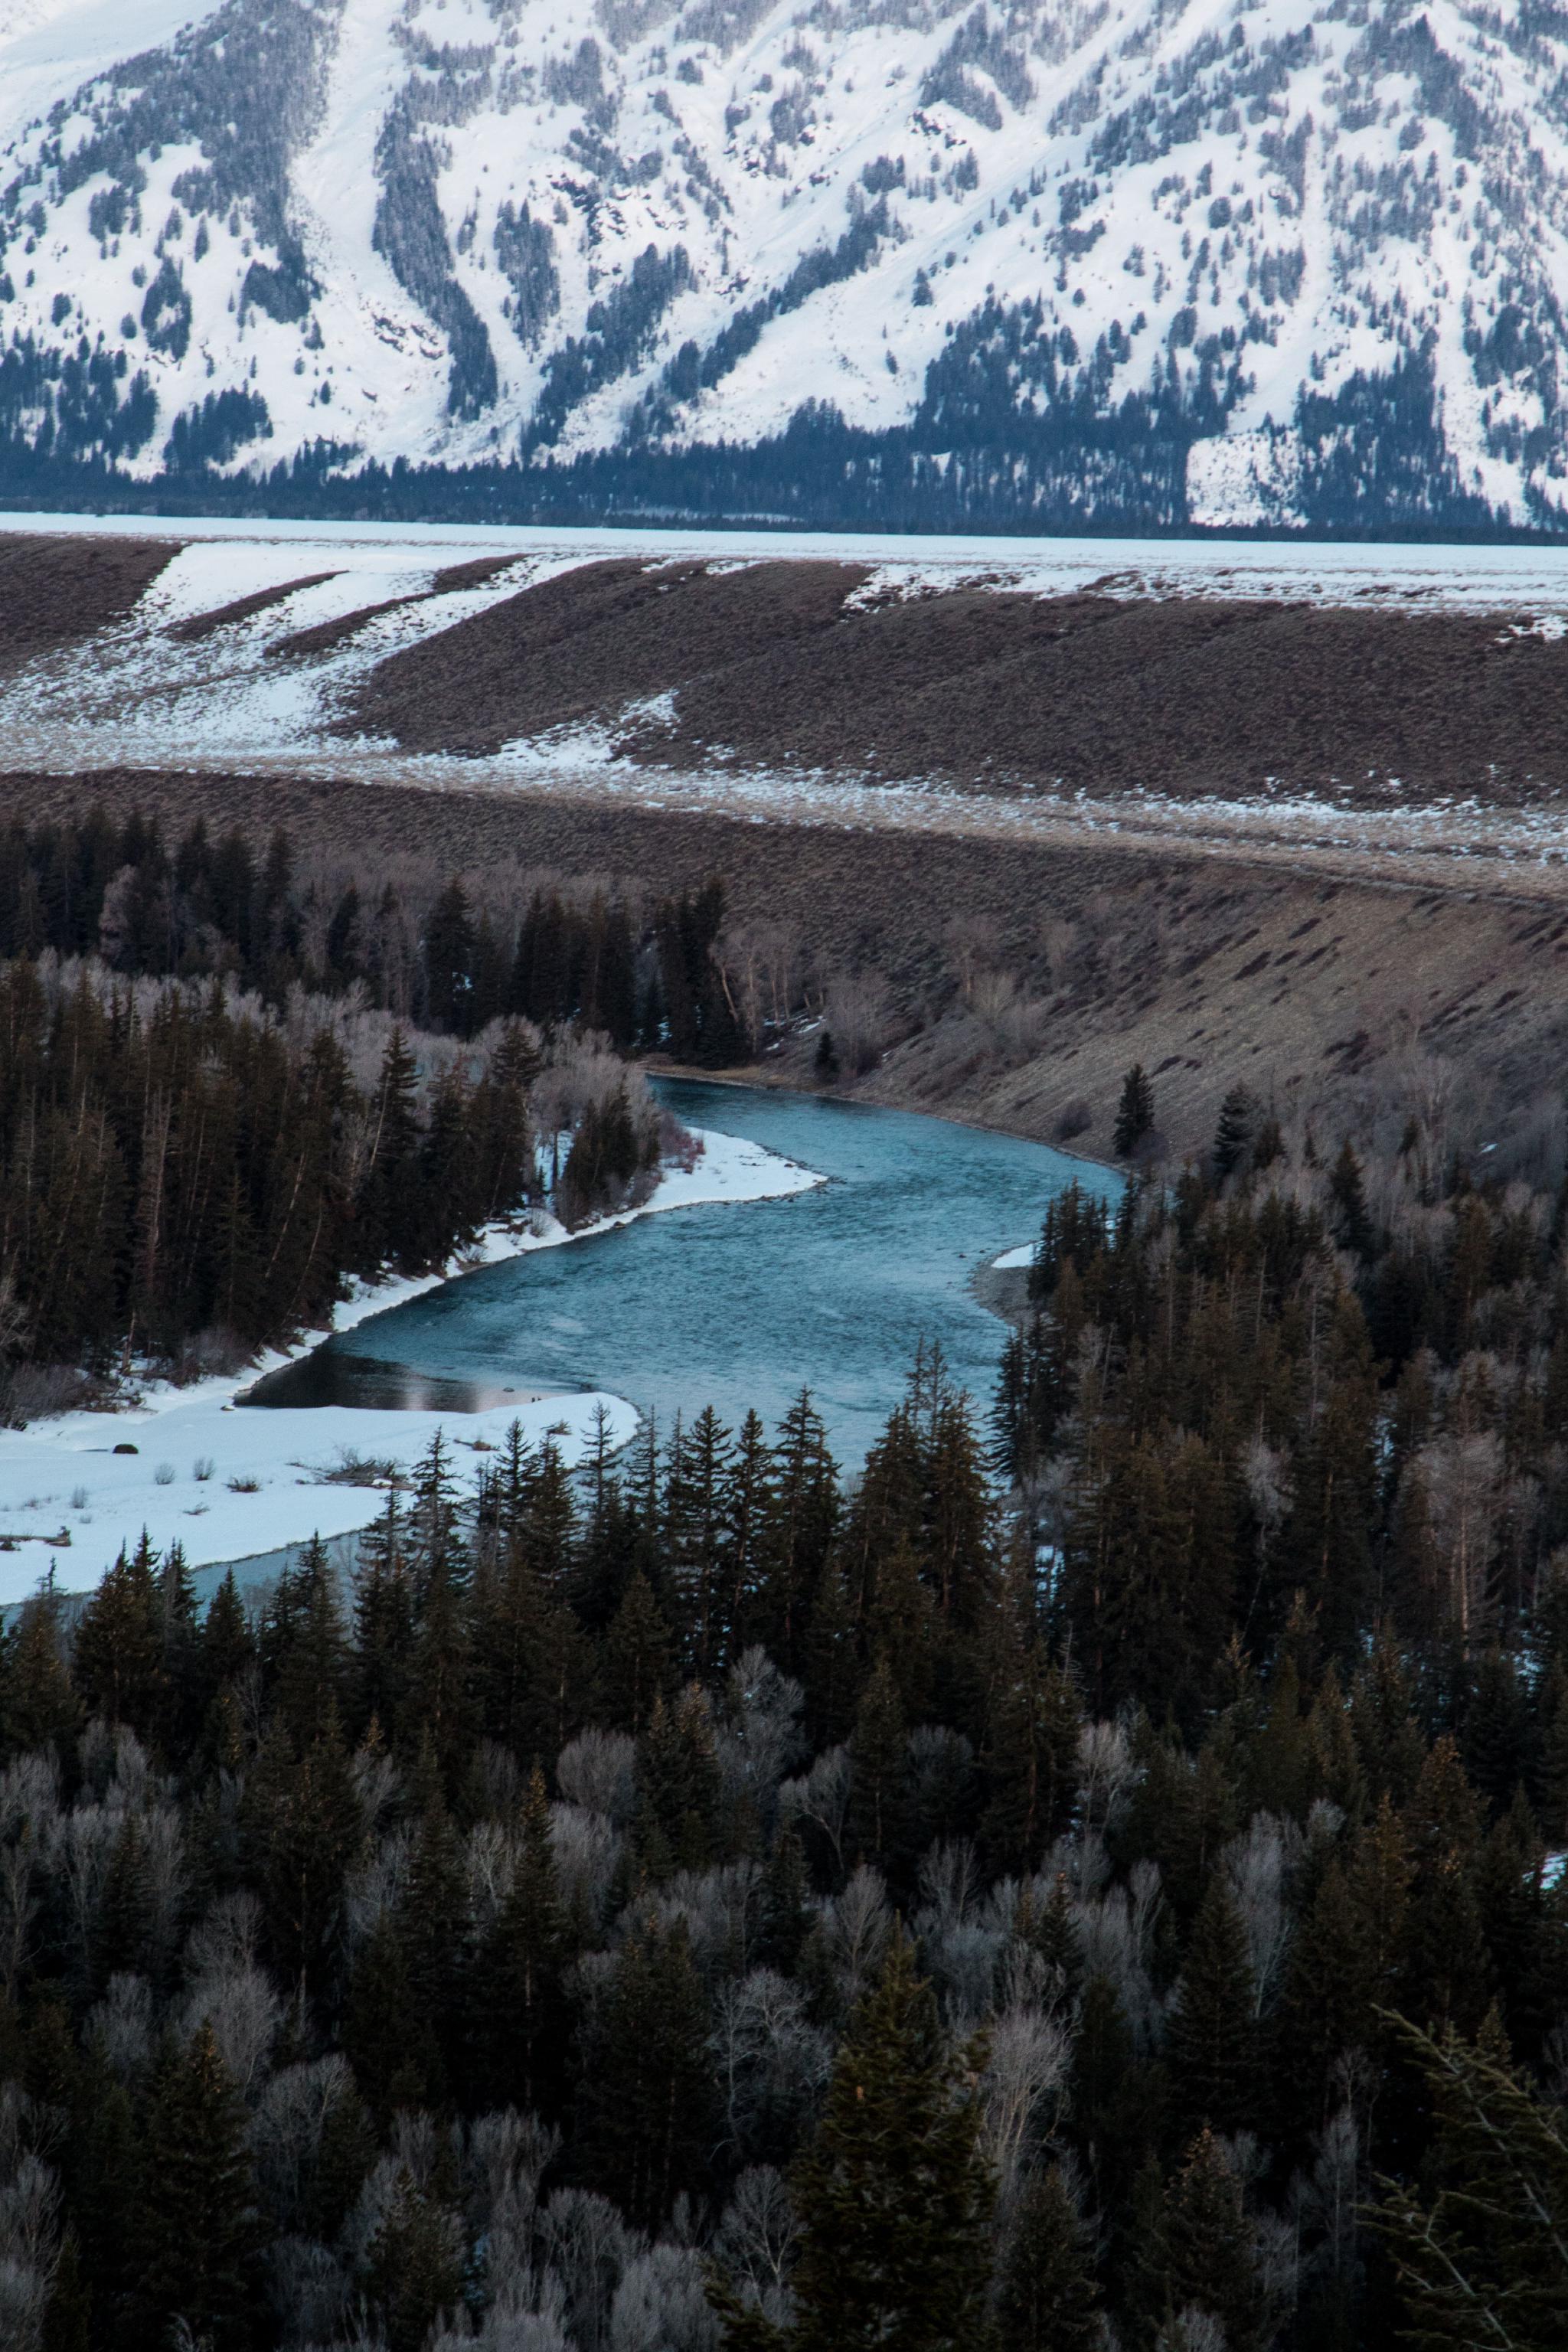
(138, 697)
(1010, 1259)
(226, 557)
(228, 1482)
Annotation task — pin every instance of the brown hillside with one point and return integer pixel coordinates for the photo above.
(1010, 981)
(770, 664)
(59, 591)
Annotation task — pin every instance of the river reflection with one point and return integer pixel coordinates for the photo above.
(331, 1375)
(734, 1305)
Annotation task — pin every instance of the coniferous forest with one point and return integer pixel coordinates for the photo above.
(1090, 1878)
(713, 1902)
(224, 1088)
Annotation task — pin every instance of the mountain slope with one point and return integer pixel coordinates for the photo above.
(1155, 264)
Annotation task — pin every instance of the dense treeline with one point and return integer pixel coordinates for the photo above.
(1296, 1400)
(715, 1904)
(976, 456)
(185, 1174)
(171, 1164)
(226, 1084)
(416, 942)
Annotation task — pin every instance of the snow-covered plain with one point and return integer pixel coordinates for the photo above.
(138, 696)
(229, 1483)
(1381, 574)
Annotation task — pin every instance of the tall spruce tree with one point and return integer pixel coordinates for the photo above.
(1047, 2298)
(1212, 2041)
(199, 2227)
(1134, 1112)
(1205, 2253)
(892, 2195)
(647, 2092)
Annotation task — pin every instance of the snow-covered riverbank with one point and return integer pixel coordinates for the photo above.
(228, 1483)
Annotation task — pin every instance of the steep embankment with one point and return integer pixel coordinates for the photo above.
(1010, 982)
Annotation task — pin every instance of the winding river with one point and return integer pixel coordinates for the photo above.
(735, 1305)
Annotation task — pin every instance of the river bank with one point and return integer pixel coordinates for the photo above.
(833, 1291)
(1012, 980)
(232, 1483)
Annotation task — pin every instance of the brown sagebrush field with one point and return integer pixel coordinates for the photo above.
(61, 592)
(773, 664)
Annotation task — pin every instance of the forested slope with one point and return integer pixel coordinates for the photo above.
(726, 1904)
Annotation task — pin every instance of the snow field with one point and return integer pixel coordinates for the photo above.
(231, 1482)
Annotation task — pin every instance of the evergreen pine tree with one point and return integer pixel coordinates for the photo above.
(892, 2196)
(432, 1925)
(1211, 2046)
(39, 1705)
(1049, 2298)
(1134, 1112)
(385, 2040)
(449, 951)
(414, 2266)
(520, 2006)
(383, 1623)
(392, 1201)
(118, 1661)
(302, 1825)
(1206, 2250)
(1353, 1220)
(199, 2228)
(679, 1789)
(638, 1664)
(1447, 1975)
(877, 1756)
(646, 2102)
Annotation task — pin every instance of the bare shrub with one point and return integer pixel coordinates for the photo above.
(857, 1014)
(598, 1770)
(755, 2240)
(661, 2304)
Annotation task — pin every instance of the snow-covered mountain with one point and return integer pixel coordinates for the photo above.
(1011, 261)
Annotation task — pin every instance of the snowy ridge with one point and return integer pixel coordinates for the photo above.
(1223, 263)
(60, 1477)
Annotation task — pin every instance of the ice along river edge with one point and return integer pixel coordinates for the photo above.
(232, 1484)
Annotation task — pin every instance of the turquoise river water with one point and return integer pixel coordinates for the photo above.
(737, 1303)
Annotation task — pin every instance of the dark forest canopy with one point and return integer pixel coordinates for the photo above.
(1091, 1880)
(418, 942)
(712, 1902)
(185, 1176)
(227, 1083)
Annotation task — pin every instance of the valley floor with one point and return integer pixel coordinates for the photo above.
(227, 1484)
(1291, 814)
